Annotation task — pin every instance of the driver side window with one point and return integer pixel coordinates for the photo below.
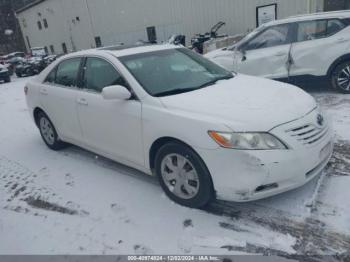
(272, 36)
(100, 74)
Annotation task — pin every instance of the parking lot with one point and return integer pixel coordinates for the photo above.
(75, 202)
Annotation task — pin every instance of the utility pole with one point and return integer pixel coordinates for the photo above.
(92, 30)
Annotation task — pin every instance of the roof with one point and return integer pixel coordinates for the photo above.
(120, 51)
(120, 47)
(305, 17)
(22, 9)
(123, 50)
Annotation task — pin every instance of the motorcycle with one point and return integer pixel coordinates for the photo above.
(198, 41)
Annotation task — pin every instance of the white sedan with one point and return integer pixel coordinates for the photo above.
(205, 132)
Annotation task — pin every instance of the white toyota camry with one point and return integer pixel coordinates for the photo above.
(205, 132)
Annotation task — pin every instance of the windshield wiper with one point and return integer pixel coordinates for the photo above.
(186, 90)
(175, 92)
(214, 81)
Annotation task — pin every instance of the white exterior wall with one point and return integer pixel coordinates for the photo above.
(125, 21)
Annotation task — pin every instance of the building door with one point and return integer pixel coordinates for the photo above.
(64, 48)
(152, 34)
(98, 41)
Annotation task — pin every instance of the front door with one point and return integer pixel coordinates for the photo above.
(267, 54)
(113, 127)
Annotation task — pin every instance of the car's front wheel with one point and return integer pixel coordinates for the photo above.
(49, 133)
(183, 175)
(341, 78)
(8, 79)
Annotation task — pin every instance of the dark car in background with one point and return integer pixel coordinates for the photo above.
(4, 74)
(30, 67)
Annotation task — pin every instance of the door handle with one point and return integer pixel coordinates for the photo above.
(82, 101)
(44, 92)
(281, 54)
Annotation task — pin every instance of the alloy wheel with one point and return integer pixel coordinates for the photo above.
(343, 79)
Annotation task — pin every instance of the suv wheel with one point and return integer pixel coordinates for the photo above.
(48, 133)
(183, 176)
(8, 79)
(341, 78)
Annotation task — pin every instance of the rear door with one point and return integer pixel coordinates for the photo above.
(110, 126)
(267, 54)
(58, 95)
(317, 45)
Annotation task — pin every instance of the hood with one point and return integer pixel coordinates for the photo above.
(218, 53)
(245, 103)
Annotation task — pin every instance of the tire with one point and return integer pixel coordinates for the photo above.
(8, 79)
(48, 133)
(341, 78)
(200, 189)
(19, 75)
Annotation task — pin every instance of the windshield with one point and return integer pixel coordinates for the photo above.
(173, 71)
(248, 37)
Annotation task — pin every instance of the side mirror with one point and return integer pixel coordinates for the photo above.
(116, 93)
(243, 53)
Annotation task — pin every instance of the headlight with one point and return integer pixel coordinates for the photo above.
(247, 141)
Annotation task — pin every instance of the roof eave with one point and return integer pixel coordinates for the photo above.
(18, 11)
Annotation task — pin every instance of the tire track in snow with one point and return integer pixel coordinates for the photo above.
(22, 194)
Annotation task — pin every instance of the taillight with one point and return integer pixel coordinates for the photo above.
(26, 90)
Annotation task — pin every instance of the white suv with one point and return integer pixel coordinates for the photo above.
(297, 49)
(204, 131)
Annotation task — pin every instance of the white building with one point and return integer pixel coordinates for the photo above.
(70, 25)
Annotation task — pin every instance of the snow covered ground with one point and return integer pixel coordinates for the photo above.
(74, 202)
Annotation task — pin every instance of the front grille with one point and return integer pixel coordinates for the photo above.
(308, 134)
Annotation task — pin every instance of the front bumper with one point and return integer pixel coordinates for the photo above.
(243, 176)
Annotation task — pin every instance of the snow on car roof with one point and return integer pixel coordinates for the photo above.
(131, 50)
(122, 50)
(305, 17)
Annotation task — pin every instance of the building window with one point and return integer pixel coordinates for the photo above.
(98, 41)
(152, 34)
(40, 26)
(64, 48)
(52, 49)
(45, 23)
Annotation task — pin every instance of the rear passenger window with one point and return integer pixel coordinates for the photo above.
(319, 29)
(334, 26)
(312, 30)
(67, 72)
(51, 77)
(100, 74)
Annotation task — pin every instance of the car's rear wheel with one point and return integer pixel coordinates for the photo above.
(341, 77)
(183, 175)
(48, 132)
